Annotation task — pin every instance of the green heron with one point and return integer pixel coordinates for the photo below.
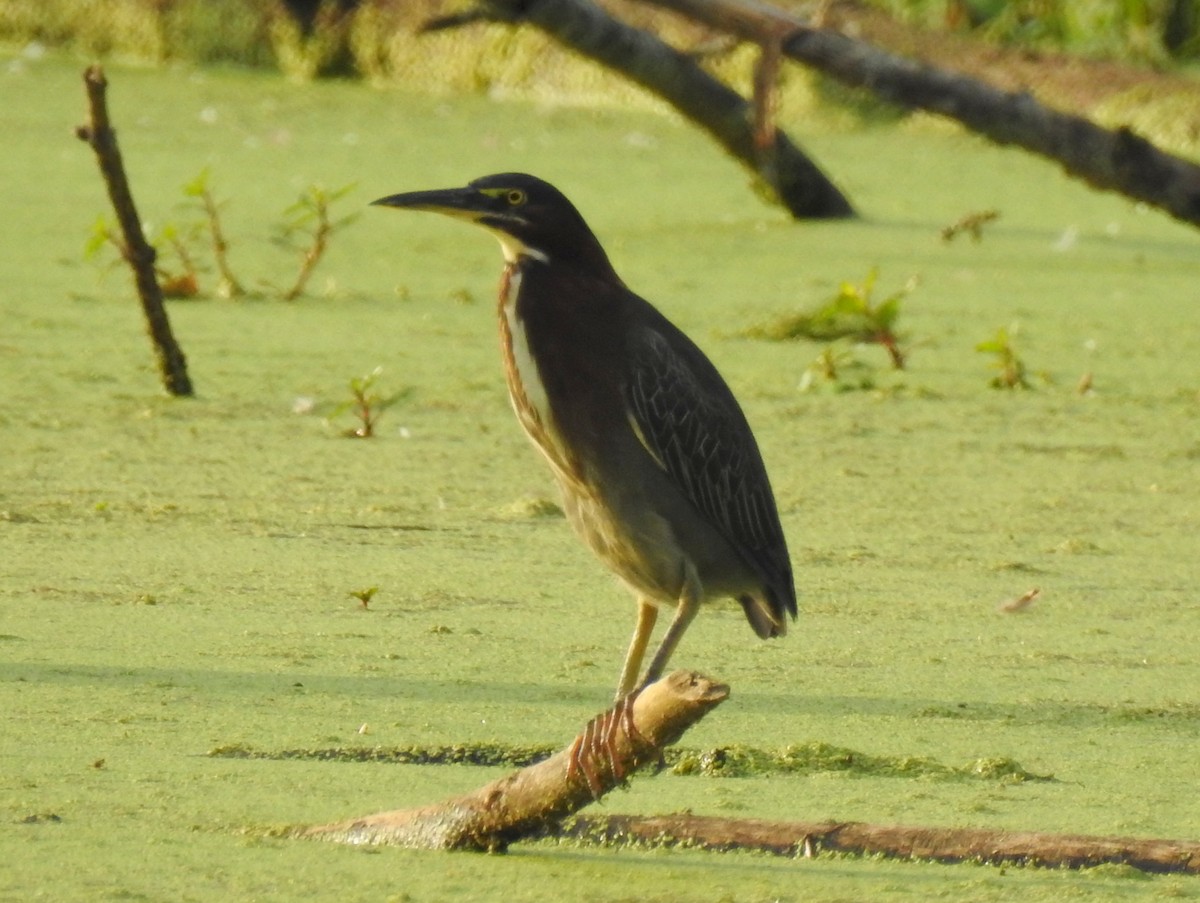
(660, 474)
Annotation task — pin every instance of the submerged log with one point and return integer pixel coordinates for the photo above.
(807, 839)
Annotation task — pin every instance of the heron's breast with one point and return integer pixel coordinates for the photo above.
(525, 387)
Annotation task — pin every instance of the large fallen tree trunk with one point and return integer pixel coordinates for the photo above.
(779, 164)
(1116, 160)
(808, 839)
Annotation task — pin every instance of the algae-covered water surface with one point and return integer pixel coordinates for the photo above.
(178, 577)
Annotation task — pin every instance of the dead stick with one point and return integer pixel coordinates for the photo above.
(899, 841)
(140, 255)
(530, 801)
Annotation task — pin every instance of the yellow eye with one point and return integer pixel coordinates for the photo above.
(515, 197)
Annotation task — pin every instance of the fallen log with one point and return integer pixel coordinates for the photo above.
(737, 125)
(1111, 159)
(808, 839)
(534, 799)
(540, 801)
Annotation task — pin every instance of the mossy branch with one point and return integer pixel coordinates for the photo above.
(140, 255)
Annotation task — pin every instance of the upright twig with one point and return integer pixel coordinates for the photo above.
(312, 255)
(313, 207)
(229, 286)
(140, 255)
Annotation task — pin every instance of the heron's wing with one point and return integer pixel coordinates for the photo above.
(688, 420)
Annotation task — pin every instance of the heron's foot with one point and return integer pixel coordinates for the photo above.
(582, 759)
(624, 709)
(597, 748)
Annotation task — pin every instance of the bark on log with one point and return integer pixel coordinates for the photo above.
(941, 844)
(1116, 160)
(138, 253)
(534, 799)
(786, 171)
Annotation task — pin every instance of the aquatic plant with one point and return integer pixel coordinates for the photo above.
(852, 313)
(366, 404)
(1011, 371)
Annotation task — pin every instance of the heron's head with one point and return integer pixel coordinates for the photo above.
(532, 218)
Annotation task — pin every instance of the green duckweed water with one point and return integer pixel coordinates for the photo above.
(723, 761)
(176, 575)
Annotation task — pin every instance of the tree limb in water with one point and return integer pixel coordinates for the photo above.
(807, 839)
(533, 800)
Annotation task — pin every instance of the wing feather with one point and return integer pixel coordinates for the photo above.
(688, 420)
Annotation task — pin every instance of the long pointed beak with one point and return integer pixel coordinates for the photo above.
(473, 206)
(465, 203)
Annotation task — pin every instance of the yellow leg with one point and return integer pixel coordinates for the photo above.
(685, 611)
(647, 615)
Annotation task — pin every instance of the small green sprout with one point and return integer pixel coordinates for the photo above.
(837, 367)
(103, 235)
(364, 596)
(366, 404)
(1011, 371)
(310, 214)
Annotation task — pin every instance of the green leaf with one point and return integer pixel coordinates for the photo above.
(887, 312)
(100, 237)
(198, 186)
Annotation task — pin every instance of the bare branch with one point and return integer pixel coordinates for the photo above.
(98, 133)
